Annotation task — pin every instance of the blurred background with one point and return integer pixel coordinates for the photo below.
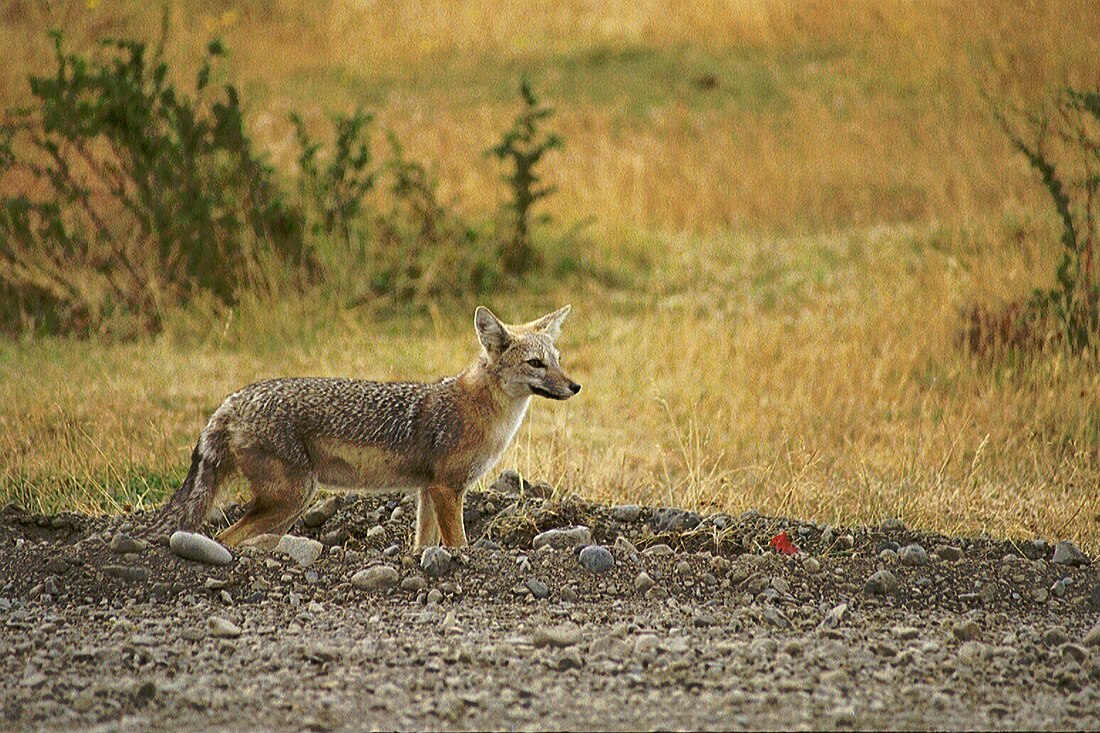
(826, 259)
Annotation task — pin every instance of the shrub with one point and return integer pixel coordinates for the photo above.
(1062, 143)
(522, 147)
(120, 196)
(132, 196)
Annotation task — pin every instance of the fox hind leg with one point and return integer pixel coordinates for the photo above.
(281, 493)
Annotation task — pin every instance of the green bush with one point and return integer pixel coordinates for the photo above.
(522, 148)
(1062, 143)
(136, 196)
(121, 197)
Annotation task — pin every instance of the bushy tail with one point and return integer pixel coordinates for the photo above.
(187, 508)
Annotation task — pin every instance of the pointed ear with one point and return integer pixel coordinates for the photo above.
(550, 324)
(490, 331)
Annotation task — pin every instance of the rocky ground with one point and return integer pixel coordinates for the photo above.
(649, 619)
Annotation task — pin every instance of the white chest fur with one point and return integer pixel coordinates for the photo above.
(499, 437)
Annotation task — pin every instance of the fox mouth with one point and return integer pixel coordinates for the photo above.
(548, 394)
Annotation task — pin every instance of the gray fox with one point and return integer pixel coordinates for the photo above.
(287, 436)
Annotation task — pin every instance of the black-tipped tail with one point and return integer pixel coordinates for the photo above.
(186, 508)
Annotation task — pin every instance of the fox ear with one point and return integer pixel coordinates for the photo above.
(550, 324)
(490, 331)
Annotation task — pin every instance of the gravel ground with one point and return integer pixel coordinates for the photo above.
(699, 622)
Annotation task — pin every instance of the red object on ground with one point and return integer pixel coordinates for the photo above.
(782, 543)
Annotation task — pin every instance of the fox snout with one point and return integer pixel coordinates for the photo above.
(557, 391)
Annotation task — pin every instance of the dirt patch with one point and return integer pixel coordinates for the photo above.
(700, 623)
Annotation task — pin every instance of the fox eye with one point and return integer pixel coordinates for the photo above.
(536, 363)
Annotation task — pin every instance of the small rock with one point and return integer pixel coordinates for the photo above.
(538, 589)
(557, 636)
(967, 630)
(844, 715)
(221, 627)
(645, 645)
(1055, 636)
(539, 490)
(376, 577)
(487, 544)
(610, 647)
(335, 537)
(905, 633)
(434, 596)
(949, 553)
(264, 542)
(1058, 589)
(1066, 553)
(569, 659)
(569, 595)
(774, 617)
(563, 539)
(57, 566)
(435, 561)
(623, 548)
(1075, 652)
(509, 482)
(674, 520)
(834, 617)
(812, 565)
(597, 559)
(881, 583)
(913, 555)
(321, 512)
(683, 568)
(1092, 639)
(781, 585)
(888, 556)
(893, 524)
(660, 550)
(626, 513)
(703, 619)
(128, 573)
(145, 692)
(376, 532)
(123, 543)
(413, 583)
(200, 548)
(644, 582)
(302, 550)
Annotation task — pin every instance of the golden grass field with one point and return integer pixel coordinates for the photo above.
(798, 198)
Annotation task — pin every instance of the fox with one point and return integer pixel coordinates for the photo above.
(288, 436)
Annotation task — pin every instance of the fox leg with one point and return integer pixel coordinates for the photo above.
(281, 493)
(448, 513)
(427, 526)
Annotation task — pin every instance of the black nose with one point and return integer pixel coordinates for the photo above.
(575, 387)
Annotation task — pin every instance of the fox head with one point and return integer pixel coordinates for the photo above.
(523, 358)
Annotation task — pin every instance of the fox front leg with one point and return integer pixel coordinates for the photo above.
(427, 526)
(448, 514)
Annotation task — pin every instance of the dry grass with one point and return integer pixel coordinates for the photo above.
(813, 222)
